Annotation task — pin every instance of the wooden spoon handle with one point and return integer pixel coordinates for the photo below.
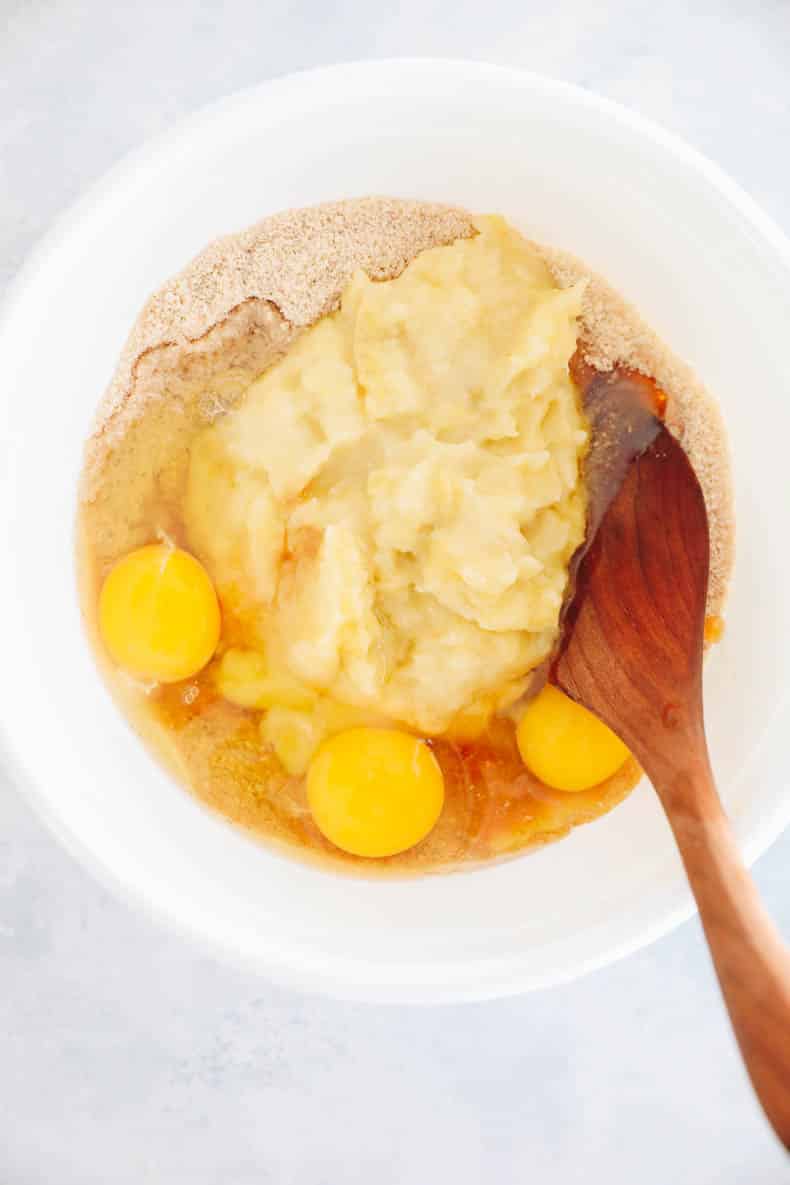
(751, 960)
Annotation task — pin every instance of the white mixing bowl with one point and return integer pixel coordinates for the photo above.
(711, 274)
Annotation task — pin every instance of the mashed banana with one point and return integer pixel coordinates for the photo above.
(393, 506)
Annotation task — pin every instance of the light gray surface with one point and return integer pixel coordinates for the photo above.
(127, 1056)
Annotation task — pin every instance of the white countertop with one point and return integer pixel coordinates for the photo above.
(128, 1056)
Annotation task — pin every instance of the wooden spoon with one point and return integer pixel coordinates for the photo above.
(632, 653)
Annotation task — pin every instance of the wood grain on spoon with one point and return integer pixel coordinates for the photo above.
(632, 653)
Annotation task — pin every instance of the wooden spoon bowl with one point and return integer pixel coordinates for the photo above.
(632, 653)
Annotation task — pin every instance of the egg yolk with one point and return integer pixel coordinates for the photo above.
(375, 791)
(564, 745)
(158, 614)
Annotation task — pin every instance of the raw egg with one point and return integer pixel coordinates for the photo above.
(564, 745)
(375, 791)
(158, 614)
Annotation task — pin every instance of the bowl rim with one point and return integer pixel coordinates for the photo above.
(508, 977)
